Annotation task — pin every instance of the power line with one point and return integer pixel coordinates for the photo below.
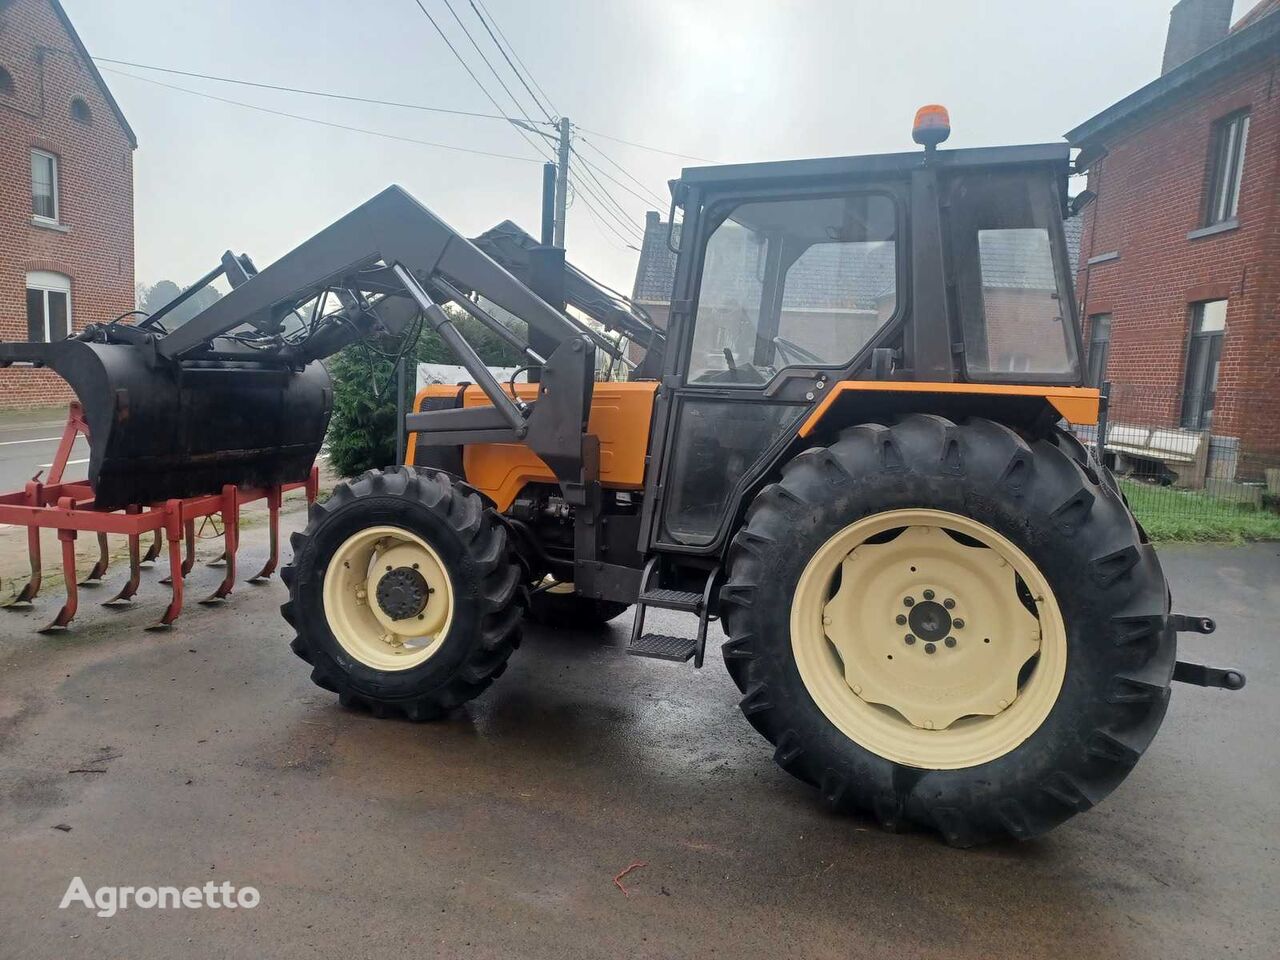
(305, 92)
(604, 173)
(393, 103)
(497, 26)
(323, 123)
(519, 75)
(488, 63)
(603, 224)
(471, 73)
(610, 202)
(589, 193)
(641, 146)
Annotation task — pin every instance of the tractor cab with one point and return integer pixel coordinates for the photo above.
(794, 278)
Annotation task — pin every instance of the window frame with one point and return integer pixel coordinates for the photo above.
(1197, 337)
(1228, 153)
(718, 209)
(47, 282)
(1097, 377)
(964, 258)
(57, 199)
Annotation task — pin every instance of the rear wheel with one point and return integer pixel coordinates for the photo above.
(403, 594)
(946, 625)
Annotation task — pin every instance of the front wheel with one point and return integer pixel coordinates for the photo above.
(947, 625)
(403, 593)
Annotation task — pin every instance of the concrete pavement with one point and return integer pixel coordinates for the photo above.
(498, 833)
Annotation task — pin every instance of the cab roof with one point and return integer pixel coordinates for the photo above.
(876, 164)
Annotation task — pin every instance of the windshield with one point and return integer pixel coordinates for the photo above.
(789, 282)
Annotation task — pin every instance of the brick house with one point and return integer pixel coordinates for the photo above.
(66, 192)
(1179, 283)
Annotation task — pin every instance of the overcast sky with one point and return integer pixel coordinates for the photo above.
(728, 80)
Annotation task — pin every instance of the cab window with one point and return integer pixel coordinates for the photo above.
(804, 281)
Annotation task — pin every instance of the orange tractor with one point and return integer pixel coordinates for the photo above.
(852, 445)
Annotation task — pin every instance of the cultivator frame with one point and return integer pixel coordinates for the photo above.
(69, 507)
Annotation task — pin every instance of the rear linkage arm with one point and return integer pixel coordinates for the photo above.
(1196, 673)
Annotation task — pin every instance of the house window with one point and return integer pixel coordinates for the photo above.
(1099, 344)
(48, 306)
(80, 111)
(6, 82)
(44, 186)
(1226, 166)
(1204, 354)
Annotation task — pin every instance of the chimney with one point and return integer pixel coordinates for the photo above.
(1194, 26)
(652, 220)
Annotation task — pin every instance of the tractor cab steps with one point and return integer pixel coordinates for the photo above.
(686, 600)
(659, 646)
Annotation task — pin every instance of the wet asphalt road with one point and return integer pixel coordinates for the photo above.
(28, 444)
(498, 833)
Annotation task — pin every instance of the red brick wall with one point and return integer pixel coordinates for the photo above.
(1151, 187)
(95, 172)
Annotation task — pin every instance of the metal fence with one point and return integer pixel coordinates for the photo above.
(1194, 465)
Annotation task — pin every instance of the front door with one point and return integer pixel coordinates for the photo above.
(783, 286)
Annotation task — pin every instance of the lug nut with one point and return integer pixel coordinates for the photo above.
(908, 601)
(910, 639)
(901, 619)
(929, 647)
(958, 623)
(949, 603)
(950, 641)
(928, 594)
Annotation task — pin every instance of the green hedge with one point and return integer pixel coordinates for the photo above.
(362, 430)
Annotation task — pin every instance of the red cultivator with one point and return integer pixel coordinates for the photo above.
(70, 509)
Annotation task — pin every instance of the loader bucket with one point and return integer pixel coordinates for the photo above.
(160, 430)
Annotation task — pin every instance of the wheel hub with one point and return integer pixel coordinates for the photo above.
(403, 593)
(930, 621)
(895, 617)
(388, 598)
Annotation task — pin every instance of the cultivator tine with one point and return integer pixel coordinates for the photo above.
(189, 546)
(230, 537)
(189, 539)
(153, 551)
(94, 577)
(68, 611)
(176, 531)
(135, 574)
(273, 525)
(32, 587)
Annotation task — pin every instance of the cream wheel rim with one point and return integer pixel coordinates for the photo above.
(910, 631)
(387, 598)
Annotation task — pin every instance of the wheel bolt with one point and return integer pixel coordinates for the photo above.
(950, 641)
(910, 639)
(949, 603)
(958, 623)
(929, 648)
(901, 619)
(908, 601)
(928, 594)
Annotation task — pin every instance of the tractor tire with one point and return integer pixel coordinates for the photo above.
(848, 588)
(403, 594)
(571, 612)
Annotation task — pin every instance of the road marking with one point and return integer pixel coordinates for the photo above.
(70, 463)
(5, 443)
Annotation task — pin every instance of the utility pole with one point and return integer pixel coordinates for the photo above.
(562, 183)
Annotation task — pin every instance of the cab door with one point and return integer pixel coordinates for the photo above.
(781, 295)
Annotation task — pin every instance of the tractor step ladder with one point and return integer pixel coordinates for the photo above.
(660, 646)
